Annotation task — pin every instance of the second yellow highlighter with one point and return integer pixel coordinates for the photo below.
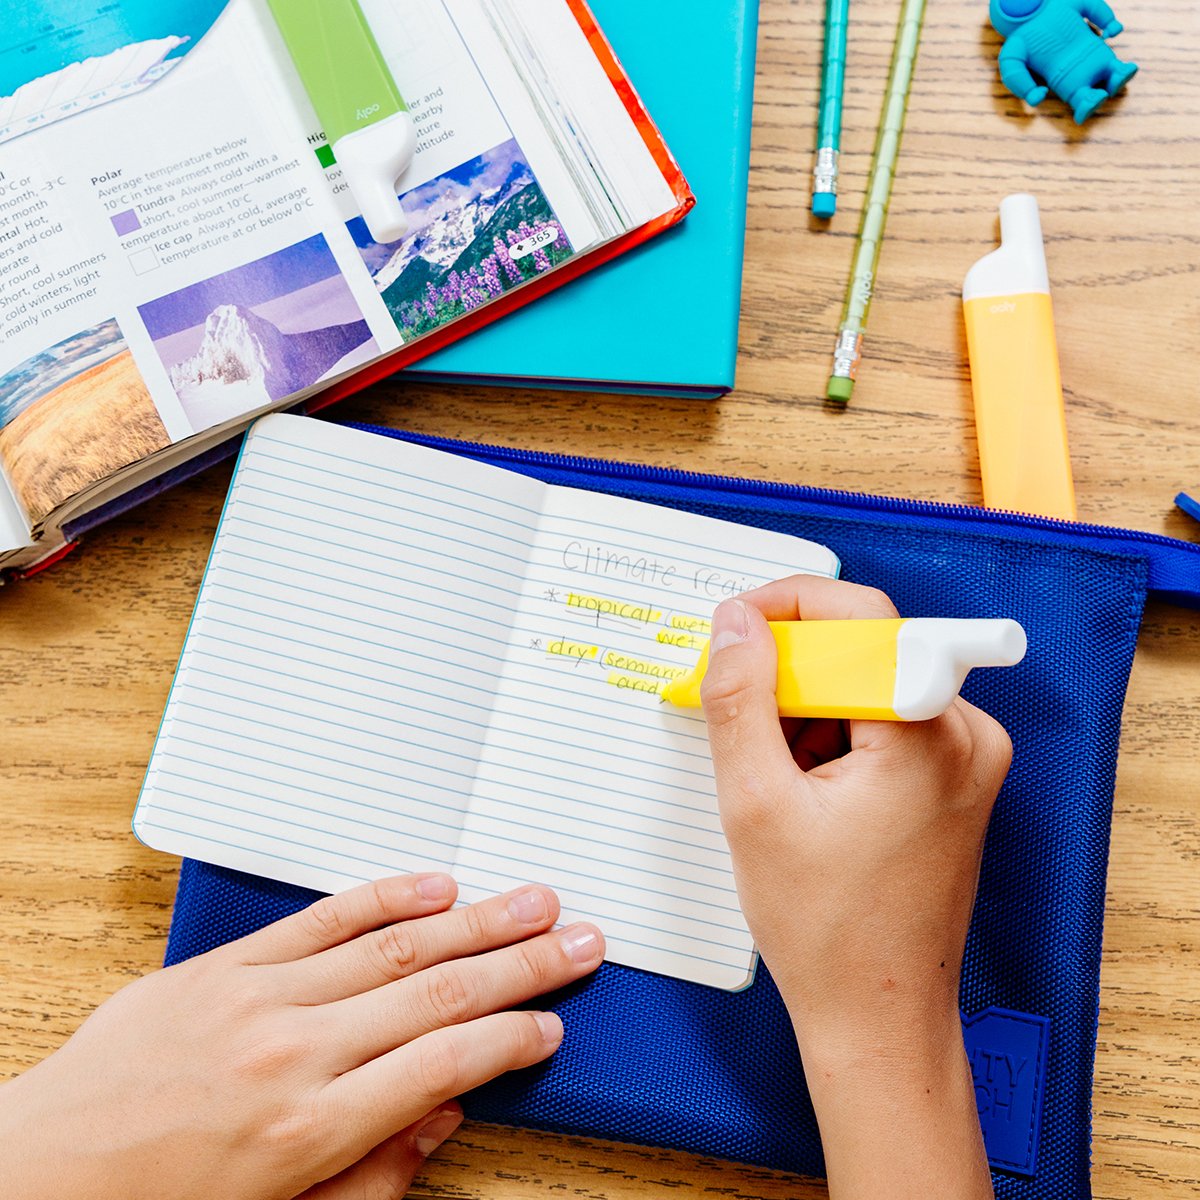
(903, 669)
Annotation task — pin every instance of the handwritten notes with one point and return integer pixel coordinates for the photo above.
(404, 660)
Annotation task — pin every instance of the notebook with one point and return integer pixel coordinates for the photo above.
(401, 660)
(181, 252)
(685, 287)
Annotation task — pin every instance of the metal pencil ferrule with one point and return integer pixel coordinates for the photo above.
(847, 354)
(825, 170)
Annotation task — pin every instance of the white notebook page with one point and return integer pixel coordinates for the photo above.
(402, 660)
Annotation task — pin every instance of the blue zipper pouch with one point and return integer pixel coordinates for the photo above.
(656, 1061)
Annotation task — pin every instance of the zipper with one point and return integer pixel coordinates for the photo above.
(1166, 552)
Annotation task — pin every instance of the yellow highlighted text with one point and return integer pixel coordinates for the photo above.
(632, 683)
(642, 666)
(604, 606)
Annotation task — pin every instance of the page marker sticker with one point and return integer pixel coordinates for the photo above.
(1008, 1052)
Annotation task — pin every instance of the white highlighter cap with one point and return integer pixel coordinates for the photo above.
(372, 160)
(1019, 266)
(934, 655)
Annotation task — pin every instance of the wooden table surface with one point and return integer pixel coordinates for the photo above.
(87, 649)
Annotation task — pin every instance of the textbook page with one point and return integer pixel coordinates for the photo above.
(404, 660)
(187, 256)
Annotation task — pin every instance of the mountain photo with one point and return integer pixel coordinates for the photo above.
(474, 233)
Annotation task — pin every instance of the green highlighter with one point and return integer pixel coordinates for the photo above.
(365, 118)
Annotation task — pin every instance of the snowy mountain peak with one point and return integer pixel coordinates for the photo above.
(443, 239)
(236, 346)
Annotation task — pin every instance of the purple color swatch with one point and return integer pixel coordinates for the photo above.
(126, 222)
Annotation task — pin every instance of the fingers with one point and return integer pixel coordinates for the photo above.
(427, 1072)
(365, 1026)
(815, 598)
(405, 948)
(751, 760)
(388, 1171)
(340, 918)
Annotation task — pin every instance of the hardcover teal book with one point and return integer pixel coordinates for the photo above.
(662, 319)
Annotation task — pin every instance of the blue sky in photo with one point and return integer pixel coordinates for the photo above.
(40, 374)
(279, 274)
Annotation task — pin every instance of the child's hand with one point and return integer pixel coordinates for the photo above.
(856, 865)
(321, 1053)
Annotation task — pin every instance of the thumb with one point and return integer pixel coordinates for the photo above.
(751, 760)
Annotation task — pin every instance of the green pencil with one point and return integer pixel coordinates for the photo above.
(848, 347)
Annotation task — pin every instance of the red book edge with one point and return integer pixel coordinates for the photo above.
(511, 301)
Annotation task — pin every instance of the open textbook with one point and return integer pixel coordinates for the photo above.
(401, 660)
(179, 253)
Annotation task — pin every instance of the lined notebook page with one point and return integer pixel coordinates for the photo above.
(401, 660)
(332, 698)
(588, 781)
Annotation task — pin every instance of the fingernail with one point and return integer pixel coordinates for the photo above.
(436, 1130)
(528, 906)
(435, 887)
(581, 943)
(730, 625)
(551, 1027)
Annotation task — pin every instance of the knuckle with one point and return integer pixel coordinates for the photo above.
(725, 698)
(537, 970)
(959, 739)
(875, 603)
(249, 996)
(997, 750)
(476, 920)
(439, 1067)
(295, 1135)
(448, 996)
(326, 921)
(397, 947)
(267, 1058)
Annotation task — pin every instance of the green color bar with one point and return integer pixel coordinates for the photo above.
(325, 155)
(339, 62)
(879, 192)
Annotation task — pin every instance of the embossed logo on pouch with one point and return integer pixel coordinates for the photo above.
(1008, 1051)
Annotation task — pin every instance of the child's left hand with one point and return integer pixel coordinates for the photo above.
(318, 1057)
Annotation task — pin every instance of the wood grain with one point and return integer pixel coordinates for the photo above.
(87, 650)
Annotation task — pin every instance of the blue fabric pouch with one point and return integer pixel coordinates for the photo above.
(655, 1061)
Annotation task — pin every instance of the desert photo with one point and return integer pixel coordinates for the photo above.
(73, 415)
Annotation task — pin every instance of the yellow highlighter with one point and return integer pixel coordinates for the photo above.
(1014, 371)
(903, 669)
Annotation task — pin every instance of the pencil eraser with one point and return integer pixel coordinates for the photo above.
(839, 389)
(824, 204)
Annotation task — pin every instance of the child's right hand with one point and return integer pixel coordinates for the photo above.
(856, 861)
